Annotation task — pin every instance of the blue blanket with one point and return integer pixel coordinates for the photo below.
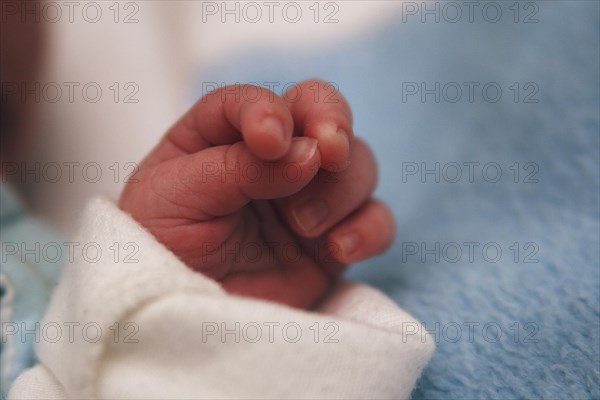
(487, 134)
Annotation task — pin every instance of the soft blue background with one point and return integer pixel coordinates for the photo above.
(559, 294)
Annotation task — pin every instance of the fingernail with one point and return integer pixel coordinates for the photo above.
(274, 127)
(310, 214)
(346, 138)
(349, 243)
(302, 149)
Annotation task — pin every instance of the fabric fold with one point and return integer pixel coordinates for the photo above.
(135, 322)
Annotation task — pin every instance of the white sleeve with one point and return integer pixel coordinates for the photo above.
(152, 328)
(37, 383)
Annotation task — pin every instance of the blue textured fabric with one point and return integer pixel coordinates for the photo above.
(29, 268)
(527, 329)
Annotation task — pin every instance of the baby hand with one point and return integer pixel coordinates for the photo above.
(269, 195)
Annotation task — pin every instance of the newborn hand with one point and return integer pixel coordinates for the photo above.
(268, 195)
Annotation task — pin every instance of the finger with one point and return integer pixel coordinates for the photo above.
(332, 196)
(219, 181)
(258, 242)
(227, 115)
(300, 284)
(251, 240)
(320, 111)
(366, 233)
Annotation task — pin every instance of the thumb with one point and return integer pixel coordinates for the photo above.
(218, 181)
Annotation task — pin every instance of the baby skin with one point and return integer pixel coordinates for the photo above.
(269, 195)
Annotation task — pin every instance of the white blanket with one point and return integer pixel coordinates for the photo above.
(137, 323)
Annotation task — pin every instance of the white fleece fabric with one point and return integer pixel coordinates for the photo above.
(153, 328)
